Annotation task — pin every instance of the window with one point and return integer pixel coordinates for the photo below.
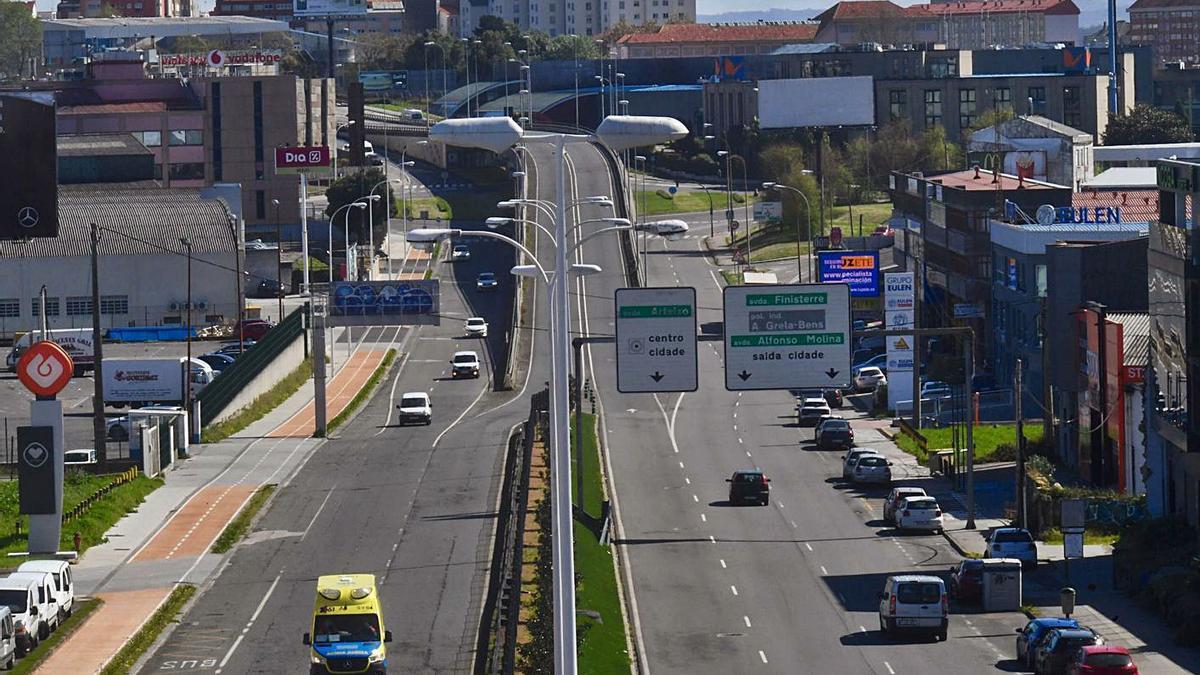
(51, 306)
(260, 204)
(933, 107)
(79, 305)
(114, 304)
(186, 137)
(898, 103)
(1040, 276)
(1037, 100)
(1004, 99)
(10, 308)
(187, 171)
(150, 139)
(966, 108)
(1071, 106)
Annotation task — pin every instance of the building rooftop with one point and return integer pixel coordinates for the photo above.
(92, 145)
(806, 48)
(1051, 7)
(136, 221)
(162, 27)
(1136, 336)
(865, 9)
(979, 179)
(1124, 178)
(763, 31)
(1137, 206)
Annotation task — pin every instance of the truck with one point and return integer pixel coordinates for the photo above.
(140, 382)
(76, 342)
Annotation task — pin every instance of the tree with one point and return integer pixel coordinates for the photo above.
(1147, 125)
(352, 187)
(382, 51)
(20, 40)
(188, 44)
(939, 153)
(568, 48)
(777, 161)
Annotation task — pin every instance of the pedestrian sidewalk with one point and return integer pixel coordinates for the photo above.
(1112, 614)
(166, 540)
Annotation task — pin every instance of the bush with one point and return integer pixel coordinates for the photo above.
(664, 194)
(1004, 452)
(1039, 464)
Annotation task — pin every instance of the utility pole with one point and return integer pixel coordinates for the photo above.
(1048, 430)
(1017, 391)
(99, 430)
(918, 289)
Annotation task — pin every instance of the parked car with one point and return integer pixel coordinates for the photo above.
(1058, 648)
(21, 597)
(1102, 660)
(464, 364)
(267, 288)
(810, 410)
(253, 329)
(234, 349)
(832, 396)
(914, 602)
(872, 469)
(460, 252)
(117, 429)
(748, 486)
(919, 513)
(897, 495)
(64, 582)
(874, 359)
(414, 406)
(79, 457)
(217, 361)
(1030, 638)
(966, 580)
(850, 458)
(8, 639)
(1012, 542)
(486, 281)
(476, 327)
(46, 600)
(833, 432)
(936, 389)
(869, 378)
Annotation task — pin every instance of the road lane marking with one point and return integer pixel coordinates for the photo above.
(703, 518)
(734, 589)
(780, 504)
(794, 527)
(723, 565)
(681, 465)
(824, 572)
(747, 620)
(889, 667)
(253, 617)
(735, 427)
(712, 539)
(318, 513)
(748, 454)
(695, 499)
(762, 656)
(687, 480)
(806, 544)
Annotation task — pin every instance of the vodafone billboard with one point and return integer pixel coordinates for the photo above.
(301, 159)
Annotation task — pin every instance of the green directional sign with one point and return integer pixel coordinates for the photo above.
(656, 340)
(787, 336)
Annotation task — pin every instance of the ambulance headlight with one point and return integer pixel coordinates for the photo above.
(376, 656)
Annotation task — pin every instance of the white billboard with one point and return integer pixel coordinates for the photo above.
(816, 102)
(333, 8)
(899, 297)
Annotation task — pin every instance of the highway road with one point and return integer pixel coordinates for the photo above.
(413, 505)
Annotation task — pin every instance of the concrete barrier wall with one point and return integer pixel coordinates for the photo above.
(288, 360)
(434, 153)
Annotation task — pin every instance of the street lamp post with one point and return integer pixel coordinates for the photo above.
(498, 134)
(336, 145)
(278, 258)
(353, 275)
(332, 217)
(711, 226)
(187, 369)
(808, 222)
(442, 51)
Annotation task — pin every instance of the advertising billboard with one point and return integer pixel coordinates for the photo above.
(28, 166)
(301, 159)
(859, 269)
(816, 102)
(329, 8)
(384, 303)
(899, 299)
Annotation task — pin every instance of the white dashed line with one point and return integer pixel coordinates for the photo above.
(806, 544)
(734, 589)
(889, 667)
(824, 572)
(747, 620)
(780, 504)
(703, 518)
(687, 480)
(723, 565)
(712, 539)
(682, 466)
(748, 454)
(762, 656)
(695, 499)
(735, 427)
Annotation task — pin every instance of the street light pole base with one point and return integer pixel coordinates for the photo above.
(970, 524)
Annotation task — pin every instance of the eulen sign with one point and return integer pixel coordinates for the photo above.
(301, 159)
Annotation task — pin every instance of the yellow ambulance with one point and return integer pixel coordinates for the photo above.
(348, 633)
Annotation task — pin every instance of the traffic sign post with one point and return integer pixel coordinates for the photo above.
(787, 336)
(656, 340)
(44, 369)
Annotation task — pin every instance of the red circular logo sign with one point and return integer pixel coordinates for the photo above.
(45, 368)
(216, 58)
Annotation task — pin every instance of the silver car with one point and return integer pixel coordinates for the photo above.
(850, 458)
(872, 469)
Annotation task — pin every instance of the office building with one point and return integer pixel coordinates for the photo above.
(1170, 27)
(700, 39)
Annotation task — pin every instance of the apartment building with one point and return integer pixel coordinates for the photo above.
(698, 39)
(1170, 27)
(575, 17)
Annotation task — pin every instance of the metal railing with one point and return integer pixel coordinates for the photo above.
(217, 395)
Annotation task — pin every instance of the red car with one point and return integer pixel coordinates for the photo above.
(1102, 660)
(254, 329)
(966, 580)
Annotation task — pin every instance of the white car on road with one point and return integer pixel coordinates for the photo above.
(919, 513)
(872, 469)
(851, 458)
(414, 406)
(460, 252)
(811, 410)
(869, 378)
(476, 327)
(1012, 542)
(464, 364)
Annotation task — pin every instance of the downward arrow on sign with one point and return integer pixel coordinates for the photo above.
(744, 375)
(832, 373)
(657, 376)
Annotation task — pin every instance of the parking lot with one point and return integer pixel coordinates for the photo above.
(77, 397)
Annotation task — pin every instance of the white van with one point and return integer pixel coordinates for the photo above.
(47, 599)
(8, 639)
(20, 596)
(64, 583)
(914, 602)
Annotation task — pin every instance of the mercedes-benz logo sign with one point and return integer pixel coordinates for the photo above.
(35, 455)
(28, 217)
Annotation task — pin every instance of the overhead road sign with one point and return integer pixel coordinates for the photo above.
(787, 337)
(656, 340)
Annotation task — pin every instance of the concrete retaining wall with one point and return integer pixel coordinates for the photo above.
(288, 360)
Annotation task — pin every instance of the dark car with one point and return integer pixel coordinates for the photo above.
(1030, 637)
(749, 487)
(217, 361)
(267, 288)
(966, 580)
(834, 433)
(234, 349)
(1059, 648)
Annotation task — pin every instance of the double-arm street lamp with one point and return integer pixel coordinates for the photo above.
(441, 49)
(808, 226)
(498, 134)
(358, 204)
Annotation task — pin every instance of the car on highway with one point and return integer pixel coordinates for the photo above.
(872, 469)
(810, 411)
(486, 281)
(1030, 637)
(850, 458)
(919, 513)
(476, 327)
(1012, 542)
(869, 378)
(966, 580)
(832, 396)
(348, 633)
(1059, 646)
(464, 364)
(897, 495)
(833, 432)
(1102, 660)
(914, 602)
(414, 406)
(460, 252)
(81, 457)
(749, 486)
(217, 361)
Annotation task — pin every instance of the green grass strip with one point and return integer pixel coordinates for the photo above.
(364, 393)
(141, 642)
(260, 406)
(987, 438)
(80, 613)
(732, 278)
(237, 528)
